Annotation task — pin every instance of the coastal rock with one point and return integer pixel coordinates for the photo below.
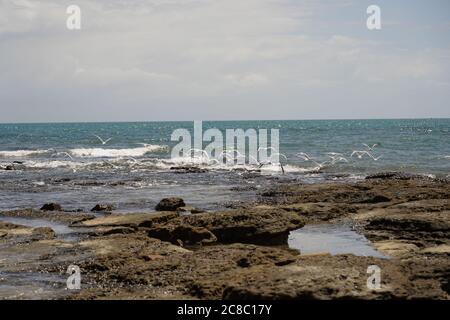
(9, 226)
(43, 233)
(419, 228)
(51, 207)
(124, 257)
(376, 199)
(326, 277)
(102, 208)
(38, 259)
(104, 231)
(185, 235)
(116, 249)
(242, 271)
(394, 175)
(267, 227)
(188, 169)
(145, 220)
(440, 249)
(189, 209)
(18, 233)
(244, 188)
(320, 211)
(365, 195)
(59, 216)
(395, 248)
(152, 266)
(170, 204)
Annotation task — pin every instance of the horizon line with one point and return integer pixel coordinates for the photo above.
(227, 120)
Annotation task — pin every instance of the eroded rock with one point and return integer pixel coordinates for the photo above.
(395, 175)
(190, 209)
(131, 220)
(267, 227)
(121, 257)
(51, 207)
(103, 208)
(170, 204)
(188, 169)
(187, 235)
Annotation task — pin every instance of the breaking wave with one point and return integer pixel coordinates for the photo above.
(23, 153)
(114, 153)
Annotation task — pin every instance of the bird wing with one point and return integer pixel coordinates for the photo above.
(99, 138)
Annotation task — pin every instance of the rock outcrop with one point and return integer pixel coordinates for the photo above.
(51, 207)
(242, 253)
(103, 208)
(170, 204)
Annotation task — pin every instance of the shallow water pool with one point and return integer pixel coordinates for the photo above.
(331, 238)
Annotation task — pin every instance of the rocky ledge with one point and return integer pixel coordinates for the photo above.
(260, 226)
(243, 253)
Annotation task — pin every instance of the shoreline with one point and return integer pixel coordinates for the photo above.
(243, 253)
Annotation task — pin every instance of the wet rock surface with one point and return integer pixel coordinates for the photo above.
(329, 277)
(182, 235)
(243, 253)
(266, 227)
(103, 208)
(64, 217)
(188, 169)
(190, 209)
(394, 175)
(129, 220)
(51, 207)
(10, 232)
(170, 204)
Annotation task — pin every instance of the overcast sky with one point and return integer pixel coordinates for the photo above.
(149, 60)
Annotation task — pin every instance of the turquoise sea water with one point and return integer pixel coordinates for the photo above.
(68, 164)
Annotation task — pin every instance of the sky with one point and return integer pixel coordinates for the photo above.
(152, 60)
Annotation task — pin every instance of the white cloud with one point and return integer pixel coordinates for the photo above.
(197, 54)
(247, 80)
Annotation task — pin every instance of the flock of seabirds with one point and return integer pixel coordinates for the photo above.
(199, 156)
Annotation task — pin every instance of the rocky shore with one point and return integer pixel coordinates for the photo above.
(242, 253)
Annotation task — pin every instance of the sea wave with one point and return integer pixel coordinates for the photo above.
(22, 153)
(205, 163)
(113, 153)
(131, 159)
(54, 164)
(129, 163)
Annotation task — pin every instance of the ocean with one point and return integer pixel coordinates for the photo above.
(67, 163)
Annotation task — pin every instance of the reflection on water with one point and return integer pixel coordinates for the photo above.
(331, 238)
(31, 285)
(59, 228)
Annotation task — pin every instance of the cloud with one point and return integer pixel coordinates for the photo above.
(247, 80)
(221, 58)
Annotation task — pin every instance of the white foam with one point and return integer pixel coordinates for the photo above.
(113, 153)
(124, 158)
(205, 163)
(53, 164)
(21, 153)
